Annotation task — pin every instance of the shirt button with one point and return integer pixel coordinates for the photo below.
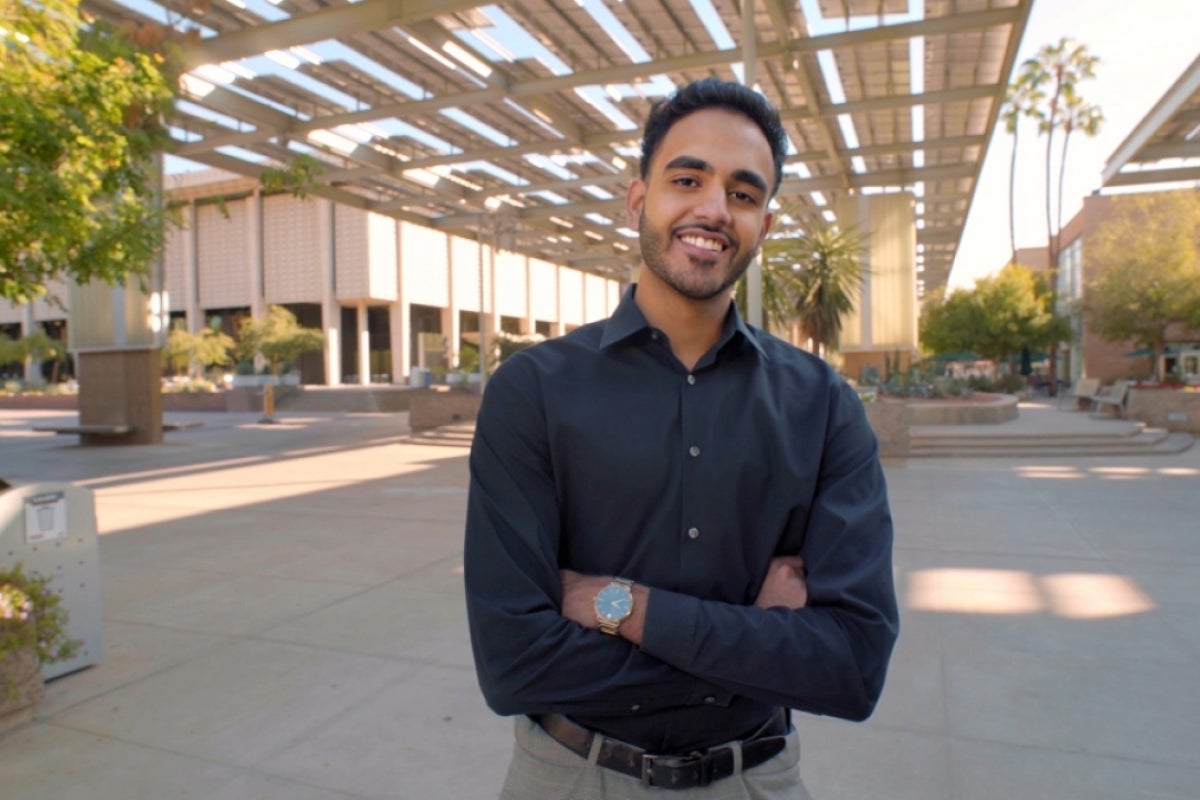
(691, 380)
(636, 707)
(693, 451)
(710, 699)
(693, 533)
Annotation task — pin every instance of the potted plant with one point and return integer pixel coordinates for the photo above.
(33, 631)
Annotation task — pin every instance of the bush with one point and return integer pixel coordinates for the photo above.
(31, 615)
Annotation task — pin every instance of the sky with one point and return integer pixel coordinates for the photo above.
(1143, 47)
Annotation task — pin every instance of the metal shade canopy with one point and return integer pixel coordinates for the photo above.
(1164, 147)
(519, 119)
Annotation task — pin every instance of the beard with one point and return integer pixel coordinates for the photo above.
(695, 281)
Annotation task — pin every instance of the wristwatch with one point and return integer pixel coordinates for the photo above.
(614, 603)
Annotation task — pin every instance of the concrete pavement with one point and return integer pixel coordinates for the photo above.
(284, 619)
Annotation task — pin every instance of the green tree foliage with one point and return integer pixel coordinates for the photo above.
(780, 285)
(81, 110)
(814, 279)
(187, 352)
(1002, 315)
(10, 351)
(37, 347)
(831, 277)
(1146, 262)
(278, 338)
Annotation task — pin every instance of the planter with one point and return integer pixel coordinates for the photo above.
(890, 418)
(243, 381)
(432, 408)
(1173, 409)
(21, 688)
(980, 409)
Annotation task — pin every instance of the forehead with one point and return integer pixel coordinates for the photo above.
(725, 139)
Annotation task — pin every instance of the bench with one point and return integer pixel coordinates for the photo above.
(87, 430)
(182, 426)
(1082, 392)
(1110, 397)
(102, 434)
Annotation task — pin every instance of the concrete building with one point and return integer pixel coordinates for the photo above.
(389, 295)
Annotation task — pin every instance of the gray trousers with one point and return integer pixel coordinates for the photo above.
(542, 769)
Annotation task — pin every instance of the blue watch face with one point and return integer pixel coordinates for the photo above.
(613, 603)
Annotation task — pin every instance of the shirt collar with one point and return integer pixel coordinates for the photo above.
(628, 320)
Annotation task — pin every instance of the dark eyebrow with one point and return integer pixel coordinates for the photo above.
(700, 165)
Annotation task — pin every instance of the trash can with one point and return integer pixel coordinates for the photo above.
(50, 529)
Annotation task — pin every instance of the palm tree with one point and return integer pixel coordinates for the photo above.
(780, 285)
(1062, 67)
(1021, 99)
(829, 276)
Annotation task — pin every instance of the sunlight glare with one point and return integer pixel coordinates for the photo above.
(1091, 596)
(974, 591)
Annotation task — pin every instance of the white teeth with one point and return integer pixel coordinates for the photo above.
(700, 241)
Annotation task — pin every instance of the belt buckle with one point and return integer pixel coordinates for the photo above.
(701, 760)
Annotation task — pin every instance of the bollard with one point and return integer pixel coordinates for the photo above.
(268, 404)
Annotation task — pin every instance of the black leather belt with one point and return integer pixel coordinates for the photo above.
(699, 768)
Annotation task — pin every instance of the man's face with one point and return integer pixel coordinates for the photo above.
(701, 213)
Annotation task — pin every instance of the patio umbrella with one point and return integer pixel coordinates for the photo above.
(958, 355)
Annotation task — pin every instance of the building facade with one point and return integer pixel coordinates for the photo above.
(388, 295)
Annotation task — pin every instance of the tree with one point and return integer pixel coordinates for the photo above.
(279, 338)
(37, 347)
(1146, 262)
(10, 351)
(1049, 83)
(1021, 100)
(780, 285)
(1002, 315)
(826, 277)
(952, 324)
(189, 352)
(81, 118)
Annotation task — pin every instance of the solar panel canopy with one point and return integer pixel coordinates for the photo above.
(518, 121)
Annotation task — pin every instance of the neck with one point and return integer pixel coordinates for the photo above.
(693, 326)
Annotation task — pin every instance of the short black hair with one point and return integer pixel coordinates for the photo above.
(715, 93)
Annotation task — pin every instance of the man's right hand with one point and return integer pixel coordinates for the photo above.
(784, 584)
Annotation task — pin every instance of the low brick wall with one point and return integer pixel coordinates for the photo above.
(193, 401)
(986, 410)
(432, 408)
(890, 419)
(49, 402)
(1173, 409)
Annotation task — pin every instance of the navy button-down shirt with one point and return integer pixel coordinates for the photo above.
(599, 452)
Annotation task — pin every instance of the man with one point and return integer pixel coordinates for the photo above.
(677, 525)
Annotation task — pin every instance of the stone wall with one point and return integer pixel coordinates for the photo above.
(890, 419)
(979, 410)
(1173, 409)
(432, 408)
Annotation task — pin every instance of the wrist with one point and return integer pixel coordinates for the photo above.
(634, 626)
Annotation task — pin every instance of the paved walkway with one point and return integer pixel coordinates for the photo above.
(284, 619)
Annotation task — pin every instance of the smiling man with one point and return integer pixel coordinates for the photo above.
(678, 528)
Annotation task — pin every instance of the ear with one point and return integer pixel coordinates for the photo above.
(768, 218)
(635, 199)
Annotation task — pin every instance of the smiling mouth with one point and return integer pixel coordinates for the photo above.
(703, 243)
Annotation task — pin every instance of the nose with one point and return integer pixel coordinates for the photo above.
(713, 206)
